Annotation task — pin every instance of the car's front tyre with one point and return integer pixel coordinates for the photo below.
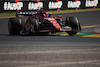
(73, 22)
(32, 26)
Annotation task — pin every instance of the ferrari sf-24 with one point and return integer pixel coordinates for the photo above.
(37, 23)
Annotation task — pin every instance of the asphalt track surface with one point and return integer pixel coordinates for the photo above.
(57, 50)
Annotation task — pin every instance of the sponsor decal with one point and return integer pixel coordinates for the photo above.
(38, 1)
(89, 3)
(75, 4)
(13, 6)
(55, 5)
(16, 1)
(34, 6)
(26, 12)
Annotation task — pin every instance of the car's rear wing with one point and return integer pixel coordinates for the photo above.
(26, 13)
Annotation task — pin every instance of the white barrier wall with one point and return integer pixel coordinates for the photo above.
(32, 5)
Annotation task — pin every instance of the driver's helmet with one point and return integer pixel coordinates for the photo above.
(40, 11)
(44, 15)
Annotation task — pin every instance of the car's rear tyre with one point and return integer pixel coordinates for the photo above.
(14, 26)
(32, 26)
(73, 22)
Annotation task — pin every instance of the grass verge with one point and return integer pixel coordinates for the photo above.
(7, 14)
(3, 15)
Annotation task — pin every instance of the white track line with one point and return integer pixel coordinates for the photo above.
(23, 62)
(65, 63)
(45, 63)
(55, 51)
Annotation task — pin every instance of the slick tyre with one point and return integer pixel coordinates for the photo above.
(74, 24)
(14, 26)
(32, 26)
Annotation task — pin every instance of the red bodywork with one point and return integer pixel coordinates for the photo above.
(54, 23)
(49, 17)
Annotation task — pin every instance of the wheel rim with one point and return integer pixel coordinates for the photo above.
(27, 27)
(32, 28)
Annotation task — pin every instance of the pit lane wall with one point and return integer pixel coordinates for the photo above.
(33, 5)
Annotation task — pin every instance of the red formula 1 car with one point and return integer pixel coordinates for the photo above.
(42, 23)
